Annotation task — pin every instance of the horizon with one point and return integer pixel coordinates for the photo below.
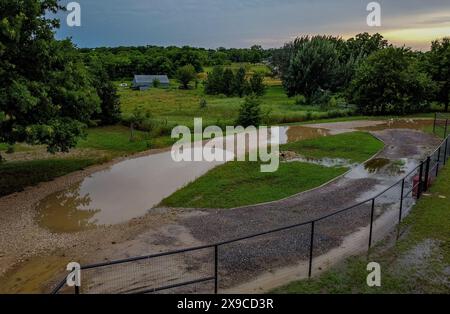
(231, 24)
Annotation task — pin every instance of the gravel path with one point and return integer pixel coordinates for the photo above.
(245, 259)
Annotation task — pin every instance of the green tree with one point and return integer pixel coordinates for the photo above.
(214, 81)
(313, 67)
(390, 82)
(438, 66)
(257, 84)
(227, 82)
(250, 112)
(185, 75)
(46, 94)
(240, 83)
(110, 112)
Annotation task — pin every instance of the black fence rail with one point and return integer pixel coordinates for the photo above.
(209, 267)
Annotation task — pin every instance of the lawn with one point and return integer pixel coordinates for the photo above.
(19, 174)
(241, 183)
(176, 106)
(356, 146)
(417, 263)
(116, 140)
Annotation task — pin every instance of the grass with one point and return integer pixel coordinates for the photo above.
(19, 174)
(356, 146)
(241, 183)
(426, 273)
(116, 140)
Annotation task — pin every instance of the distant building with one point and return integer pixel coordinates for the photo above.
(144, 82)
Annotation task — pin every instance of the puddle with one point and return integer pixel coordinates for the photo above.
(300, 133)
(129, 189)
(29, 276)
(414, 124)
(126, 190)
(326, 162)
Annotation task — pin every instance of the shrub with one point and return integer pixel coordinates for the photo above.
(250, 112)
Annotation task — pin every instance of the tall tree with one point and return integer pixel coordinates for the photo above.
(240, 82)
(46, 95)
(439, 68)
(227, 82)
(313, 67)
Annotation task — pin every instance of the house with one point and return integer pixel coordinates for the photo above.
(144, 82)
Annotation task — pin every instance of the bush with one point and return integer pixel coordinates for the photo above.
(156, 83)
(250, 112)
(203, 103)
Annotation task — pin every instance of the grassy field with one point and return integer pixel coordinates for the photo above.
(417, 263)
(19, 174)
(356, 146)
(241, 183)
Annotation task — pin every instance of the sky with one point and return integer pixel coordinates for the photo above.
(243, 23)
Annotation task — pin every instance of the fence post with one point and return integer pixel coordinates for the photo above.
(401, 202)
(419, 187)
(445, 151)
(446, 128)
(216, 260)
(400, 213)
(371, 223)
(427, 174)
(434, 122)
(311, 248)
(438, 161)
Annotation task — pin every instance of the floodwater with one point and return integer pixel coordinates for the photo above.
(129, 189)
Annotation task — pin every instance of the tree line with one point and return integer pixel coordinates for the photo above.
(226, 82)
(124, 62)
(367, 71)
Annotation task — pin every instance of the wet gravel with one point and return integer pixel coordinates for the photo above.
(243, 260)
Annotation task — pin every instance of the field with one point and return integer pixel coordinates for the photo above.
(241, 183)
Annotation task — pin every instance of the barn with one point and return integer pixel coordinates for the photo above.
(144, 82)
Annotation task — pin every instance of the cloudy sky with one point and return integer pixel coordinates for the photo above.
(242, 23)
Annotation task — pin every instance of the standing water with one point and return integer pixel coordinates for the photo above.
(130, 188)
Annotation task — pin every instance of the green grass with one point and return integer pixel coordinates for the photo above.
(116, 140)
(15, 176)
(176, 106)
(356, 146)
(242, 183)
(429, 220)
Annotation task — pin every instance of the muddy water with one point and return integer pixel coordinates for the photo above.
(29, 275)
(414, 124)
(130, 188)
(124, 191)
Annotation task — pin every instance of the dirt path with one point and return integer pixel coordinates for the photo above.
(25, 247)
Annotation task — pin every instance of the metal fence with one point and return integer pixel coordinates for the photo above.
(441, 124)
(210, 267)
